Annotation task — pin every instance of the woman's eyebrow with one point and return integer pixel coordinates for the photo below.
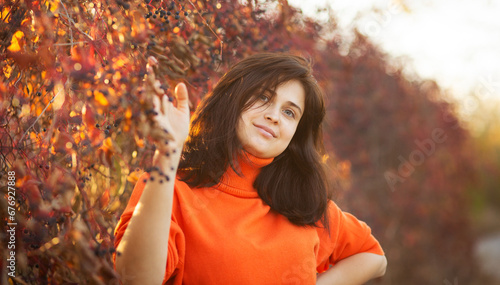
(295, 105)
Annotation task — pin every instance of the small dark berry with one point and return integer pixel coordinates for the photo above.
(106, 132)
(152, 36)
(97, 125)
(167, 21)
(44, 129)
(177, 13)
(38, 94)
(157, 11)
(162, 29)
(177, 17)
(154, 16)
(186, 13)
(169, 13)
(170, 99)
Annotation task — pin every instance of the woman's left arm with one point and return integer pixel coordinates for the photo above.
(354, 270)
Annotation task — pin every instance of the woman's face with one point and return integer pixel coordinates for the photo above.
(267, 127)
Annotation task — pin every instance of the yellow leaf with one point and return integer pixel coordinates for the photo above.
(15, 102)
(100, 98)
(119, 63)
(5, 11)
(61, 32)
(53, 5)
(14, 43)
(7, 71)
(61, 96)
(25, 110)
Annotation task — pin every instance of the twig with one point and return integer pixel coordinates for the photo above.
(74, 25)
(67, 44)
(41, 114)
(210, 28)
(20, 75)
(67, 15)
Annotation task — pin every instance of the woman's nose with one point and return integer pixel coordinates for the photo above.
(272, 115)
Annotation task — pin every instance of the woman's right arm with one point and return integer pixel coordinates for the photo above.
(143, 249)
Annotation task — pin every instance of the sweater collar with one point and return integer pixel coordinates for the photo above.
(249, 168)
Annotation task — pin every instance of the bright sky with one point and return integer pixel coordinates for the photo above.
(455, 42)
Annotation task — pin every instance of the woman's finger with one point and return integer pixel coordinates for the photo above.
(156, 104)
(152, 60)
(157, 88)
(166, 103)
(151, 78)
(182, 96)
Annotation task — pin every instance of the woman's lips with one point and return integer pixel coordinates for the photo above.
(266, 130)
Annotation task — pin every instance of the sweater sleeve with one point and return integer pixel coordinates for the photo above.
(176, 241)
(347, 236)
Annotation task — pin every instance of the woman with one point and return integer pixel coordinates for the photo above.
(249, 204)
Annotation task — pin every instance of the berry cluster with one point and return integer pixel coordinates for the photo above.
(108, 127)
(165, 13)
(160, 173)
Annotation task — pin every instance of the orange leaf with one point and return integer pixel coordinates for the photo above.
(100, 98)
(15, 44)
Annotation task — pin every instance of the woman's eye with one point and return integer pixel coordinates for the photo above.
(289, 113)
(264, 98)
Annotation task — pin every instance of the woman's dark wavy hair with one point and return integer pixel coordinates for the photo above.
(294, 184)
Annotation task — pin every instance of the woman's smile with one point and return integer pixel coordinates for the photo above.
(266, 131)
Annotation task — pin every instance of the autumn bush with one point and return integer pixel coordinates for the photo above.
(76, 128)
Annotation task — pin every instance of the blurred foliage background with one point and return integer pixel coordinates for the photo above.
(75, 129)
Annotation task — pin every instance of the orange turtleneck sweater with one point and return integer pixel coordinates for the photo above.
(225, 234)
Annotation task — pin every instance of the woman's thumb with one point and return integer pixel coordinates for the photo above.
(182, 96)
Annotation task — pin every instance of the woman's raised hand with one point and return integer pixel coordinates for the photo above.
(172, 119)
